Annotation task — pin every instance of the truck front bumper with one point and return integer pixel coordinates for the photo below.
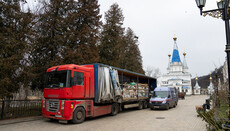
(55, 115)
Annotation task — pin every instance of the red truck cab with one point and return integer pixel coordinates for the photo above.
(66, 88)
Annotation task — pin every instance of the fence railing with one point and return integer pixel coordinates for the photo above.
(19, 108)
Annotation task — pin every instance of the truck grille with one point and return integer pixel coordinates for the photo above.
(52, 105)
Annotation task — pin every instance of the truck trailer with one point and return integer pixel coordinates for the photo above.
(73, 92)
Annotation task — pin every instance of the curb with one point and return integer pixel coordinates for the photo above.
(20, 120)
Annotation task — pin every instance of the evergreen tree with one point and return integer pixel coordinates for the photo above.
(66, 32)
(14, 38)
(111, 38)
(50, 36)
(83, 25)
(132, 59)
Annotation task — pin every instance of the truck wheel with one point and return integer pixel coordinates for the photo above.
(140, 106)
(114, 109)
(145, 104)
(78, 115)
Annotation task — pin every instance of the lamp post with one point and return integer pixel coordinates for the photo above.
(217, 95)
(223, 12)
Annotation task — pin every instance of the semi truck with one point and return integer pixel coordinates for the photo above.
(73, 92)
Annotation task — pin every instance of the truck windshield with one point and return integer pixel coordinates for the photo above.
(57, 79)
(160, 94)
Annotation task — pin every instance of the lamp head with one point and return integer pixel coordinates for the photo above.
(200, 3)
(220, 4)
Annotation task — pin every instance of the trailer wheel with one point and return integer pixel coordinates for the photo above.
(78, 115)
(145, 104)
(114, 109)
(140, 106)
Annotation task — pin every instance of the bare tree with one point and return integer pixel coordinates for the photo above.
(152, 71)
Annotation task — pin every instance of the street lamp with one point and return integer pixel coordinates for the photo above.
(223, 12)
(200, 4)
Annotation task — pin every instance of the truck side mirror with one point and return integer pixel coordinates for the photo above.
(169, 96)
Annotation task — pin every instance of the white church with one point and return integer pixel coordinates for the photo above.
(177, 73)
(197, 88)
(210, 87)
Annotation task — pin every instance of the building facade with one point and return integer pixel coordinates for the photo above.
(177, 72)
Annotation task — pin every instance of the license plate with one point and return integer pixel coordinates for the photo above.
(156, 106)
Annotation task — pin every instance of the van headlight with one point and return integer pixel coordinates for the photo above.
(63, 105)
(164, 102)
(43, 103)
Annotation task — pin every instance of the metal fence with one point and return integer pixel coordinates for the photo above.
(19, 108)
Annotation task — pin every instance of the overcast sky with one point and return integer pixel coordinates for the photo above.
(155, 22)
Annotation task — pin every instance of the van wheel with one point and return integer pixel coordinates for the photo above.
(175, 104)
(140, 106)
(145, 104)
(78, 115)
(167, 107)
(114, 109)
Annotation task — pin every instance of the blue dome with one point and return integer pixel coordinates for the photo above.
(175, 56)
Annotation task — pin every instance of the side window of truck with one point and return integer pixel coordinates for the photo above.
(79, 78)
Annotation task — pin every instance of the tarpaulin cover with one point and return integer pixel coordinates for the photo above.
(108, 84)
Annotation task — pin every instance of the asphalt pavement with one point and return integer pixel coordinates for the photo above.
(181, 118)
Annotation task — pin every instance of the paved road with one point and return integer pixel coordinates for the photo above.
(181, 118)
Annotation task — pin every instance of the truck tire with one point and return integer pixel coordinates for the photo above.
(114, 109)
(145, 104)
(78, 115)
(140, 106)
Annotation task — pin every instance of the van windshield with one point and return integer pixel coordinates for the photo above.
(160, 94)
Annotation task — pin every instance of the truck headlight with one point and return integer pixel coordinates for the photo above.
(43, 103)
(63, 105)
(164, 102)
